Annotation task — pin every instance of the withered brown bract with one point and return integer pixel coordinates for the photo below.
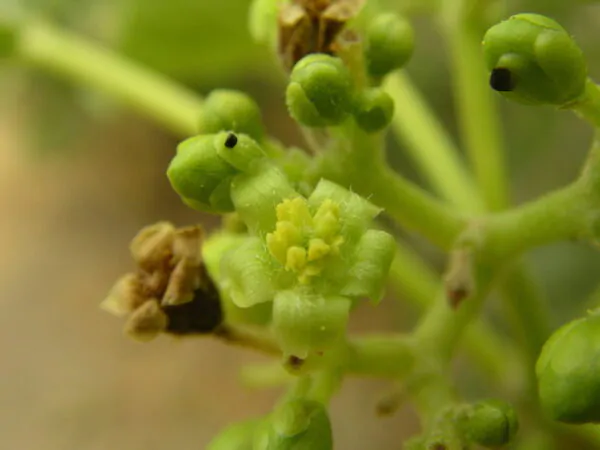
(312, 26)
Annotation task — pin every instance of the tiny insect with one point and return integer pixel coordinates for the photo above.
(313, 26)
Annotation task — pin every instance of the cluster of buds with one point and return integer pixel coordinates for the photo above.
(171, 291)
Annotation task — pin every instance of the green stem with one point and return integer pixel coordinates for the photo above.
(429, 145)
(380, 355)
(588, 107)
(45, 46)
(477, 117)
(356, 162)
(411, 279)
(562, 215)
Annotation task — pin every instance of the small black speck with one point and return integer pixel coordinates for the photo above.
(231, 140)
(502, 80)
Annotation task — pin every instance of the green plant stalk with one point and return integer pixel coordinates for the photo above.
(482, 138)
(44, 46)
(411, 279)
(561, 215)
(477, 117)
(588, 107)
(429, 145)
(357, 162)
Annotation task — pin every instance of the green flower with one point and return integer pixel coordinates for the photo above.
(533, 60)
(568, 372)
(320, 91)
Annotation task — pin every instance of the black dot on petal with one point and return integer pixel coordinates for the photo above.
(502, 80)
(231, 140)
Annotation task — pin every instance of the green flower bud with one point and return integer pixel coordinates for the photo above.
(320, 91)
(239, 436)
(533, 60)
(568, 372)
(227, 110)
(296, 425)
(374, 110)
(204, 171)
(304, 322)
(197, 171)
(389, 44)
(373, 255)
(491, 423)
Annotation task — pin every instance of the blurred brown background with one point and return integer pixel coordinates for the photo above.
(79, 177)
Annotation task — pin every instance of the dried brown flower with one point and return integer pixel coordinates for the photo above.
(171, 291)
(312, 26)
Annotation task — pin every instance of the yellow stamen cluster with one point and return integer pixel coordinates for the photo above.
(301, 241)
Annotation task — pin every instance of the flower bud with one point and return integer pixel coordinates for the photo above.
(533, 60)
(389, 44)
(374, 110)
(200, 176)
(320, 91)
(567, 372)
(491, 423)
(296, 425)
(304, 321)
(228, 110)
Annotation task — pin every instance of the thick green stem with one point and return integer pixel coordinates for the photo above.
(562, 215)
(428, 144)
(44, 46)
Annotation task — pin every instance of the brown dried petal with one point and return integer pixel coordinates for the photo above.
(296, 35)
(185, 279)
(126, 296)
(152, 247)
(187, 243)
(146, 322)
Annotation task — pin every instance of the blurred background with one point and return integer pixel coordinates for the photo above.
(79, 176)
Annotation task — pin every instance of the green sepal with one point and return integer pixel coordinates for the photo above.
(568, 372)
(305, 321)
(389, 44)
(256, 196)
(247, 274)
(534, 60)
(374, 110)
(373, 257)
(228, 110)
(214, 249)
(320, 91)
